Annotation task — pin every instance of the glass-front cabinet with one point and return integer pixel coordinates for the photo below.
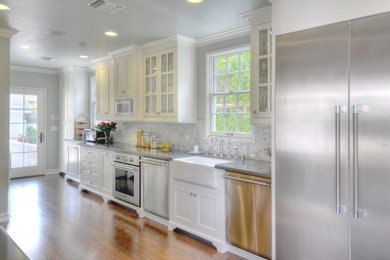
(261, 73)
(160, 84)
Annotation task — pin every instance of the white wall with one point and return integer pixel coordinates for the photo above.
(4, 119)
(295, 15)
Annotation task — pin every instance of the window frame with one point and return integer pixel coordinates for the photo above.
(210, 93)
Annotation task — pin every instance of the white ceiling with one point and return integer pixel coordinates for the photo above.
(141, 22)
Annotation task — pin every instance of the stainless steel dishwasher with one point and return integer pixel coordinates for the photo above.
(155, 178)
(248, 208)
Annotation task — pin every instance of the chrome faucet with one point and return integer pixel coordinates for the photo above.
(220, 140)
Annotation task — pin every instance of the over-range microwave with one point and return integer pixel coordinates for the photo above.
(124, 107)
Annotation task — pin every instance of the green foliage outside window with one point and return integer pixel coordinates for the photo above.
(231, 93)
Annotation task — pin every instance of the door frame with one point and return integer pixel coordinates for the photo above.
(43, 92)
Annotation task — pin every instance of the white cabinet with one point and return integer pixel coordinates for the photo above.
(90, 169)
(73, 93)
(160, 88)
(72, 161)
(199, 210)
(170, 80)
(261, 74)
(105, 90)
(126, 68)
(107, 177)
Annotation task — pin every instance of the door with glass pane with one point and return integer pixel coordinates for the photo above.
(151, 72)
(26, 132)
(261, 44)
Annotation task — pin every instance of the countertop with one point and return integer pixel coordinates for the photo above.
(247, 166)
(253, 167)
(132, 149)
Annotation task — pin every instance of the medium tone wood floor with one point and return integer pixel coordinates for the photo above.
(52, 219)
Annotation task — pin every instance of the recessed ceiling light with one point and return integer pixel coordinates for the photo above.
(194, 1)
(83, 57)
(48, 58)
(26, 47)
(4, 7)
(110, 33)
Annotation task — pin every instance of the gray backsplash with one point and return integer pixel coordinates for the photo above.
(185, 136)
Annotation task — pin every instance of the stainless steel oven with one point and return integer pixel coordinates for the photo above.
(126, 182)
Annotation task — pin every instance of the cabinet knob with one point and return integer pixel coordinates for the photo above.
(123, 92)
(254, 111)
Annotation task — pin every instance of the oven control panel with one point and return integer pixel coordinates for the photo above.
(126, 158)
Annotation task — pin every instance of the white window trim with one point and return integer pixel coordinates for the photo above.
(209, 84)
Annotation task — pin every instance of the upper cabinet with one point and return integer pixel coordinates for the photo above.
(169, 89)
(159, 79)
(105, 90)
(118, 76)
(261, 72)
(160, 88)
(261, 64)
(126, 70)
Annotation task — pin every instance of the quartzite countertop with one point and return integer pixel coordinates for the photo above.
(253, 167)
(132, 149)
(247, 166)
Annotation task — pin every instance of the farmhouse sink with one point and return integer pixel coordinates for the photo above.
(197, 170)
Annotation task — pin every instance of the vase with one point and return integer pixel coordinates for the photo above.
(107, 138)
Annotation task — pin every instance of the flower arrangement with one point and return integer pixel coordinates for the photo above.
(106, 128)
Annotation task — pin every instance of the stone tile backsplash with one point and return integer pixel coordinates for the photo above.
(184, 136)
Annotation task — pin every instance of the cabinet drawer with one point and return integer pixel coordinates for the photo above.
(90, 177)
(90, 154)
(89, 165)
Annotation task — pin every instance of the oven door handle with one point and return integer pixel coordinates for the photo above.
(124, 167)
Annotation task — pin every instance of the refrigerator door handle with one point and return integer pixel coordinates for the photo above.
(355, 112)
(338, 207)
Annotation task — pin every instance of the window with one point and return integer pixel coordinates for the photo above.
(229, 92)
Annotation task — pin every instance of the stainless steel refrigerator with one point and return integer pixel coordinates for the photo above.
(332, 156)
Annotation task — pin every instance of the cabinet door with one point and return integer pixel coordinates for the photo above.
(151, 88)
(207, 207)
(167, 81)
(104, 81)
(261, 46)
(73, 160)
(107, 178)
(123, 74)
(183, 208)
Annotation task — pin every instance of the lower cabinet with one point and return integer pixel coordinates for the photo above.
(200, 211)
(73, 161)
(107, 178)
(90, 168)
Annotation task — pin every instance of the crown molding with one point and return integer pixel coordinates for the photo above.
(123, 51)
(34, 69)
(259, 16)
(102, 59)
(72, 69)
(223, 36)
(7, 32)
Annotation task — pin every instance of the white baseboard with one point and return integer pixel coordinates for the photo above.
(52, 171)
(4, 217)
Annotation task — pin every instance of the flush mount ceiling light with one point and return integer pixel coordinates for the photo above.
(26, 47)
(48, 58)
(4, 7)
(111, 33)
(83, 57)
(194, 1)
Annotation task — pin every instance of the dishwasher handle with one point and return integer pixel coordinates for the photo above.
(247, 180)
(155, 163)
